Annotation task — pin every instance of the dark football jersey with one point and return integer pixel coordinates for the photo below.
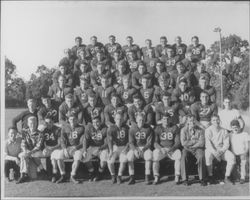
(119, 136)
(105, 94)
(172, 110)
(198, 52)
(203, 112)
(126, 94)
(180, 51)
(72, 136)
(95, 137)
(147, 95)
(111, 48)
(51, 136)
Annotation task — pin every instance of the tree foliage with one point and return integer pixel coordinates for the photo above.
(235, 69)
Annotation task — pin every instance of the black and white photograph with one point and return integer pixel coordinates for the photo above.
(125, 99)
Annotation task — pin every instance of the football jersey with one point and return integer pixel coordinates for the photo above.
(203, 112)
(134, 48)
(168, 136)
(147, 95)
(151, 64)
(197, 52)
(119, 136)
(105, 94)
(31, 141)
(91, 112)
(92, 49)
(180, 51)
(141, 137)
(104, 62)
(75, 48)
(172, 110)
(144, 51)
(111, 48)
(126, 94)
(65, 111)
(209, 89)
(95, 77)
(133, 65)
(183, 97)
(58, 94)
(110, 111)
(43, 111)
(160, 50)
(136, 80)
(95, 137)
(170, 64)
(72, 136)
(147, 110)
(51, 136)
(158, 92)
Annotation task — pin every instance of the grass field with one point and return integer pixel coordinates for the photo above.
(104, 188)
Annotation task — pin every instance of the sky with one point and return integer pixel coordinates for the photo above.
(36, 33)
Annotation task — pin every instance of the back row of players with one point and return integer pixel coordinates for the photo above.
(109, 99)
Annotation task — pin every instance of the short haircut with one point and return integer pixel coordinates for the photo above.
(195, 37)
(93, 37)
(111, 36)
(163, 37)
(129, 37)
(235, 122)
(78, 38)
(12, 128)
(204, 92)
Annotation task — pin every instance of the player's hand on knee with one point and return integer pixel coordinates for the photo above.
(110, 154)
(84, 154)
(66, 153)
(17, 161)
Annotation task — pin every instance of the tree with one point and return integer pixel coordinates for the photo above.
(235, 69)
(39, 83)
(14, 86)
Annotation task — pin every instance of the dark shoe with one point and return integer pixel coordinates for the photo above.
(131, 180)
(177, 180)
(53, 180)
(242, 181)
(119, 180)
(203, 183)
(91, 176)
(211, 180)
(113, 179)
(43, 174)
(156, 181)
(73, 179)
(23, 178)
(147, 179)
(98, 177)
(61, 179)
(227, 180)
(186, 183)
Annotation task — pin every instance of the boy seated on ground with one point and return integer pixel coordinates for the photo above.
(239, 146)
(12, 149)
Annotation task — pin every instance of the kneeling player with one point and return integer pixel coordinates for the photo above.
(140, 140)
(167, 142)
(72, 136)
(118, 147)
(95, 145)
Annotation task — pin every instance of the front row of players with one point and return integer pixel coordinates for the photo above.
(119, 142)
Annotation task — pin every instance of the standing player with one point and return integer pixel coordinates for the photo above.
(198, 50)
(145, 49)
(95, 76)
(217, 146)
(201, 71)
(131, 47)
(68, 61)
(72, 137)
(137, 76)
(62, 72)
(121, 71)
(203, 110)
(228, 114)
(94, 46)
(112, 46)
(162, 47)
(95, 145)
(79, 45)
(193, 141)
(118, 146)
(147, 91)
(179, 48)
(167, 144)
(170, 61)
(140, 141)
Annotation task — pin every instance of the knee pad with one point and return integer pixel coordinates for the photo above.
(130, 156)
(177, 155)
(57, 155)
(123, 158)
(104, 155)
(156, 155)
(77, 155)
(148, 155)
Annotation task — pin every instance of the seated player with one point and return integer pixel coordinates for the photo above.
(204, 86)
(193, 142)
(118, 147)
(51, 143)
(62, 72)
(203, 110)
(93, 109)
(161, 71)
(100, 58)
(131, 47)
(82, 58)
(47, 108)
(81, 92)
(228, 114)
(95, 76)
(71, 143)
(57, 92)
(31, 145)
(79, 45)
(179, 48)
(166, 106)
(68, 61)
(24, 115)
(139, 107)
(112, 46)
(84, 71)
(94, 46)
(162, 47)
(116, 59)
(198, 50)
(170, 61)
(95, 145)
(126, 91)
(217, 146)
(105, 90)
(115, 107)
(140, 142)
(167, 144)
(11, 151)
(151, 62)
(68, 107)
(201, 71)
(121, 71)
(147, 91)
(145, 49)
(165, 82)
(137, 76)
(188, 63)
(132, 61)
(239, 146)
